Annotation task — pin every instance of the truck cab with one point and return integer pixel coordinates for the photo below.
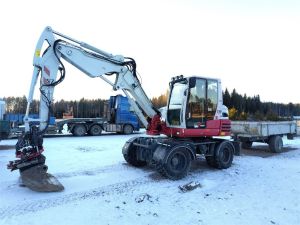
(120, 116)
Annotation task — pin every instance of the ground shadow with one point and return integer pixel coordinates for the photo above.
(198, 165)
(7, 147)
(263, 151)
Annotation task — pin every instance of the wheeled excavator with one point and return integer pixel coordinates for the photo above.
(194, 123)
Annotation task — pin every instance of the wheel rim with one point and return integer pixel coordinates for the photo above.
(225, 155)
(279, 144)
(178, 162)
(96, 130)
(127, 129)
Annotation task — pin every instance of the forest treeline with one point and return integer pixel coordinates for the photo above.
(241, 107)
(84, 108)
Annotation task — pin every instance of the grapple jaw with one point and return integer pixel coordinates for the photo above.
(31, 164)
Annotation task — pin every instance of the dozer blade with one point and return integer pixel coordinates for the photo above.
(36, 178)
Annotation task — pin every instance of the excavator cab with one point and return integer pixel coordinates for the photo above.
(194, 101)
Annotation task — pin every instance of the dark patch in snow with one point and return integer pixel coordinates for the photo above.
(88, 149)
(91, 172)
(155, 214)
(264, 152)
(206, 195)
(7, 147)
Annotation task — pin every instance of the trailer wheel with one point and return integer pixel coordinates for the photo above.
(176, 165)
(224, 155)
(131, 156)
(79, 130)
(127, 129)
(95, 130)
(276, 144)
(247, 144)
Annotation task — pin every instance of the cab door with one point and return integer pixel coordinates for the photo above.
(202, 102)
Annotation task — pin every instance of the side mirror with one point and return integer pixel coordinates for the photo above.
(192, 82)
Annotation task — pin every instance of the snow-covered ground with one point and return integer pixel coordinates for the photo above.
(100, 188)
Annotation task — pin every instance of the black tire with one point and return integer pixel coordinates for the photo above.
(177, 164)
(247, 144)
(95, 130)
(131, 157)
(127, 129)
(79, 130)
(276, 144)
(224, 155)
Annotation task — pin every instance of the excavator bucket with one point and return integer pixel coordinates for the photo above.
(31, 164)
(36, 178)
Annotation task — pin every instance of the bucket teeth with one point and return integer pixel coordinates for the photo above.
(36, 178)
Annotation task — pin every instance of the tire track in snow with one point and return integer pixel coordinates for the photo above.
(94, 171)
(37, 205)
(89, 172)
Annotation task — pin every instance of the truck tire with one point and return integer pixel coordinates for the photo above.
(95, 130)
(276, 144)
(79, 130)
(223, 155)
(176, 165)
(247, 144)
(130, 156)
(127, 129)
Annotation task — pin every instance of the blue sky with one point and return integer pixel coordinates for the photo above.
(253, 46)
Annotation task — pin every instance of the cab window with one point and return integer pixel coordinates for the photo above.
(202, 103)
(212, 98)
(196, 103)
(176, 103)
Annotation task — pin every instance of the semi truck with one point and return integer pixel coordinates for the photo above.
(118, 117)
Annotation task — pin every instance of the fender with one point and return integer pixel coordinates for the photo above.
(128, 145)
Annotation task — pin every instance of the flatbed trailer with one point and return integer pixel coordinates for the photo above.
(269, 132)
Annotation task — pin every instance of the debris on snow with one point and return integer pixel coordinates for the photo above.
(143, 197)
(206, 195)
(189, 186)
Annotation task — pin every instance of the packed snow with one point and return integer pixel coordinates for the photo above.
(100, 188)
